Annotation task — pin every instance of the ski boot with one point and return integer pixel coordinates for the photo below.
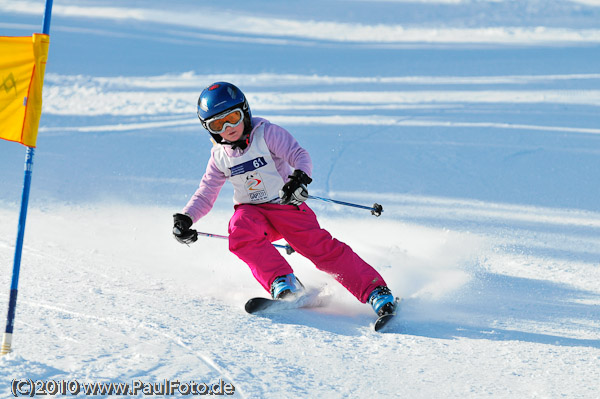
(382, 301)
(284, 286)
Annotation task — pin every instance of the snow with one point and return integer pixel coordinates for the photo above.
(474, 124)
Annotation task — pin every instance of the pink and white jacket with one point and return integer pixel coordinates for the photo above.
(285, 152)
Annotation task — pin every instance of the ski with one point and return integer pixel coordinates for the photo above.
(383, 320)
(306, 300)
(259, 304)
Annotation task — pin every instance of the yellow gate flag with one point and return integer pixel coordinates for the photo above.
(22, 67)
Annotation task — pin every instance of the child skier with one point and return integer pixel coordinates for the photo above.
(269, 171)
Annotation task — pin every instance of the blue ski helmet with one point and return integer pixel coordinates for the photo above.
(221, 97)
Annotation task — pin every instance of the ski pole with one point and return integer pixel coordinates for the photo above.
(288, 249)
(376, 209)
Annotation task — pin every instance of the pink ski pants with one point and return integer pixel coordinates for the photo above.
(252, 228)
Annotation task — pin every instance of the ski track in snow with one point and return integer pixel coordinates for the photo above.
(259, 29)
(67, 95)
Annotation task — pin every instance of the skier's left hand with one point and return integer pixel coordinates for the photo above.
(294, 192)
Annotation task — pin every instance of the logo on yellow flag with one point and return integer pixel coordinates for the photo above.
(10, 83)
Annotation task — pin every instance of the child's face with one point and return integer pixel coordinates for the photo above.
(232, 134)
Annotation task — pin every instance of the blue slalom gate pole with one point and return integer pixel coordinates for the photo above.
(47, 18)
(376, 209)
(14, 285)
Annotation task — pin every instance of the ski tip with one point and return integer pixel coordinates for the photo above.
(248, 306)
(254, 305)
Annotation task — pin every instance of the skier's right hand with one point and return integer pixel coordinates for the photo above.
(181, 229)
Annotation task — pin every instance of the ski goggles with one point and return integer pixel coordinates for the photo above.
(218, 124)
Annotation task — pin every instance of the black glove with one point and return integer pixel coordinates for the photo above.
(294, 192)
(181, 229)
